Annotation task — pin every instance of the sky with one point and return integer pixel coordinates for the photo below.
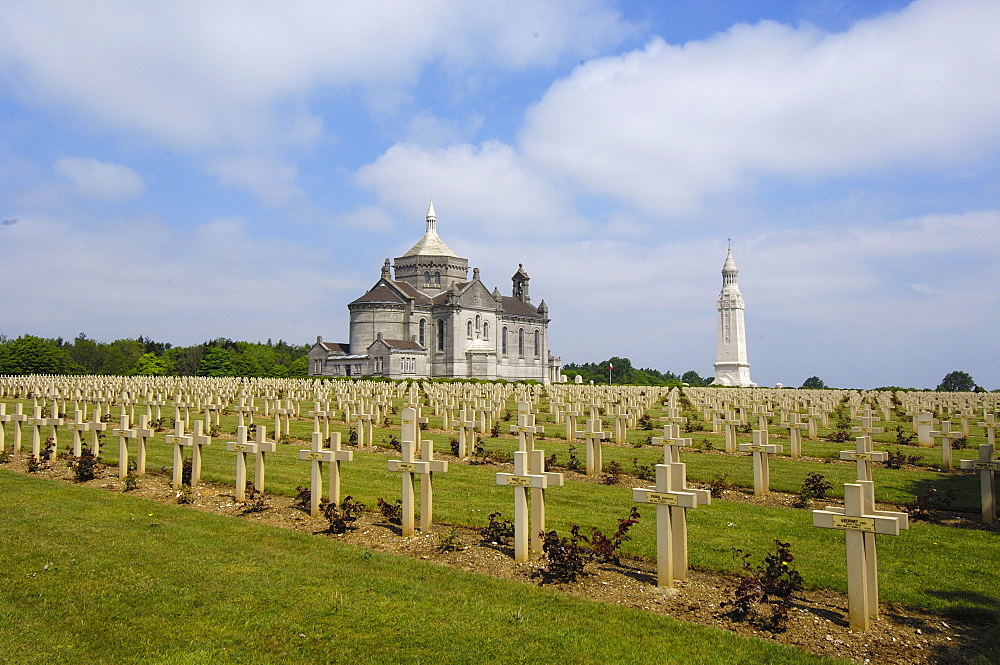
(192, 170)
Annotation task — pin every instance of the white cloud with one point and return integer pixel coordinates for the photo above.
(274, 182)
(100, 180)
(664, 127)
(200, 74)
(487, 188)
(184, 287)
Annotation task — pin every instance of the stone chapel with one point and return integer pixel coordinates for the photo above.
(424, 318)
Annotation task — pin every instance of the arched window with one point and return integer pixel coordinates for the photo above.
(486, 330)
(538, 344)
(520, 342)
(503, 341)
(437, 279)
(479, 323)
(423, 332)
(427, 278)
(468, 328)
(440, 336)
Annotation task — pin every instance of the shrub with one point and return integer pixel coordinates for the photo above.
(606, 549)
(903, 439)
(719, 484)
(495, 429)
(35, 464)
(771, 585)
(5, 456)
(342, 518)
(256, 502)
(574, 463)
(930, 499)
(131, 480)
(814, 486)
(497, 532)
(84, 467)
(645, 422)
(611, 472)
(303, 498)
(184, 494)
(450, 542)
(643, 471)
(391, 511)
(895, 459)
(566, 558)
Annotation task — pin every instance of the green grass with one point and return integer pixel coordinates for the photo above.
(91, 576)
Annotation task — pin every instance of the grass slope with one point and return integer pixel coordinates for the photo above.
(91, 576)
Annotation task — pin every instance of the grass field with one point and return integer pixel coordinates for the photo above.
(94, 577)
(942, 569)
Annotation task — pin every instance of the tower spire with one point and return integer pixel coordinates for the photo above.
(431, 217)
(731, 367)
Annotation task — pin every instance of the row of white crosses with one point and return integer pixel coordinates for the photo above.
(196, 440)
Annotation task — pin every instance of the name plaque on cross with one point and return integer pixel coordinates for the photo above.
(984, 466)
(755, 448)
(519, 481)
(238, 448)
(861, 457)
(314, 457)
(405, 466)
(854, 523)
(665, 499)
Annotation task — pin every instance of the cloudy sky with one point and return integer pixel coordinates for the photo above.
(192, 170)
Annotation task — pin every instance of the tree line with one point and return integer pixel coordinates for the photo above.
(622, 372)
(143, 356)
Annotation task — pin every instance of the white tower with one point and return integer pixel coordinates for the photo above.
(731, 366)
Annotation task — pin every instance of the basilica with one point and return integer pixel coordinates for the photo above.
(424, 318)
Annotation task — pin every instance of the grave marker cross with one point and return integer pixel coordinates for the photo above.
(331, 456)
(988, 468)
(859, 519)
(671, 527)
(761, 466)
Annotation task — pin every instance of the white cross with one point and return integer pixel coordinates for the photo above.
(124, 434)
(592, 437)
(987, 467)
(859, 519)
(521, 480)
(761, 467)
(178, 439)
(864, 456)
(795, 427)
(946, 436)
(410, 465)
(671, 498)
(332, 456)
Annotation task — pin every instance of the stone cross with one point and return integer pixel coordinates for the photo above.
(671, 442)
(466, 434)
(35, 422)
(729, 422)
(812, 418)
(859, 519)
(761, 467)
(282, 420)
(411, 465)
(672, 499)
(142, 434)
(240, 447)
(592, 438)
(795, 426)
(525, 427)
(521, 480)
(124, 434)
(178, 439)
(864, 456)
(332, 457)
(987, 467)
(78, 425)
(946, 436)
(53, 421)
(365, 430)
(198, 439)
(321, 418)
(244, 412)
(989, 425)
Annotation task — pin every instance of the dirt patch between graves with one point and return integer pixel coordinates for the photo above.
(817, 624)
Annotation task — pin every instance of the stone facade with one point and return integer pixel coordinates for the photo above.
(431, 320)
(731, 366)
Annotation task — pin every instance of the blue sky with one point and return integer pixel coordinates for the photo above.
(191, 170)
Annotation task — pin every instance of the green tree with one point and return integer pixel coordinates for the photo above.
(957, 382)
(217, 361)
(33, 355)
(693, 378)
(88, 354)
(813, 383)
(299, 369)
(121, 357)
(149, 365)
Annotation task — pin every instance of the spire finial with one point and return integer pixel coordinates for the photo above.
(431, 217)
